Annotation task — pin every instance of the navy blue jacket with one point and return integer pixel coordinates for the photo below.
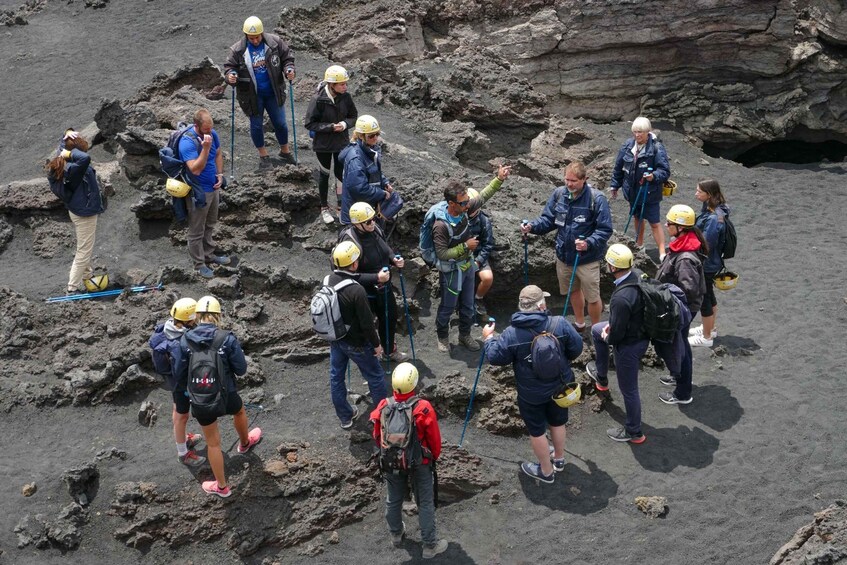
(82, 193)
(515, 346)
(575, 218)
(164, 352)
(363, 178)
(626, 312)
(629, 170)
(480, 226)
(233, 356)
(713, 227)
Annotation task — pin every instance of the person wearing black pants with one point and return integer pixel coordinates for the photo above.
(330, 116)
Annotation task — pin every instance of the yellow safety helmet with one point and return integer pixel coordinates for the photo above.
(367, 124)
(183, 309)
(345, 254)
(726, 280)
(336, 73)
(620, 256)
(361, 212)
(569, 395)
(177, 188)
(253, 26)
(681, 215)
(669, 188)
(97, 283)
(208, 304)
(473, 193)
(404, 378)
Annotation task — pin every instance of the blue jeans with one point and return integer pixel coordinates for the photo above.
(678, 358)
(277, 116)
(424, 497)
(340, 354)
(627, 360)
(457, 287)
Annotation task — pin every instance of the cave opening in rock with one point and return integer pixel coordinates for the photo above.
(793, 151)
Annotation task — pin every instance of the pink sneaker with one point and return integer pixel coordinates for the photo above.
(192, 439)
(211, 487)
(254, 437)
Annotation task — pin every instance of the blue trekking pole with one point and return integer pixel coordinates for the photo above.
(473, 392)
(632, 208)
(232, 138)
(570, 285)
(387, 335)
(293, 121)
(406, 307)
(525, 256)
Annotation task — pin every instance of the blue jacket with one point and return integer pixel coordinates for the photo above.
(712, 225)
(363, 178)
(165, 345)
(515, 346)
(82, 193)
(575, 218)
(233, 356)
(629, 170)
(480, 226)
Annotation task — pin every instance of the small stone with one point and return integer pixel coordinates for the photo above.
(652, 506)
(278, 398)
(494, 498)
(29, 489)
(704, 162)
(291, 456)
(276, 468)
(147, 414)
(575, 490)
(333, 537)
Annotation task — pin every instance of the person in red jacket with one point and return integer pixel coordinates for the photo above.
(404, 379)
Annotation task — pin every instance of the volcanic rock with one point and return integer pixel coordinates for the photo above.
(82, 482)
(652, 506)
(820, 542)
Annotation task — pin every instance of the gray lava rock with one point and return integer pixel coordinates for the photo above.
(229, 287)
(652, 506)
(822, 542)
(29, 489)
(147, 414)
(82, 481)
(6, 234)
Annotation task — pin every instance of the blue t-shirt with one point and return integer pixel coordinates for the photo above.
(189, 149)
(260, 70)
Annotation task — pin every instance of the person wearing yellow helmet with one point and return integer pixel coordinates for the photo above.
(330, 117)
(362, 163)
(258, 66)
(164, 343)
(624, 333)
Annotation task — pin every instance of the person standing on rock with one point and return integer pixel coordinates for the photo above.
(363, 178)
(258, 65)
(641, 168)
(623, 332)
(165, 345)
(200, 149)
(374, 275)
(202, 337)
(361, 342)
(454, 247)
(480, 226)
(330, 117)
(584, 225)
(404, 380)
(537, 385)
(74, 181)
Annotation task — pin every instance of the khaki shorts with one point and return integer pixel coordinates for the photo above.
(587, 279)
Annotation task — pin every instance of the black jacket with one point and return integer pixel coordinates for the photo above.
(685, 270)
(323, 113)
(626, 312)
(375, 254)
(355, 311)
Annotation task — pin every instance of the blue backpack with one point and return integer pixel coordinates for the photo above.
(170, 159)
(425, 242)
(546, 355)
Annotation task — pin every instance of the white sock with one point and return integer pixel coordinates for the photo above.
(478, 298)
(181, 449)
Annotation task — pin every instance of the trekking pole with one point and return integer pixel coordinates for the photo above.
(632, 208)
(387, 335)
(525, 256)
(473, 391)
(293, 121)
(570, 285)
(232, 138)
(406, 308)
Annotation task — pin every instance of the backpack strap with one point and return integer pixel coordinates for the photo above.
(342, 284)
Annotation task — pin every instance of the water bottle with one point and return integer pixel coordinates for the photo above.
(647, 174)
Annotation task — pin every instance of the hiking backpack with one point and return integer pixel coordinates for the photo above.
(661, 310)
(169, 158)
(326, 311)
(425, 241)
(207, 386)
(730, 239)
(399, 445)
(546, 354)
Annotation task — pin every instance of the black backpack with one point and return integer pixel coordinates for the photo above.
(661, 310)
(730, 239)
(207, 386)
(546, 356)
(169, 157)
(399, 446)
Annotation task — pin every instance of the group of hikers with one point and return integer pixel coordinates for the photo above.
(356, 310)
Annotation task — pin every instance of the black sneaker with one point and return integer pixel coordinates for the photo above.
(349, 424)
(670, 398)
(600, 383)
(620, 434)
(481, 312)
(265, 162)
(287, 158)
(668, 380)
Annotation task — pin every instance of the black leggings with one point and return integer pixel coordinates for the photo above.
(377, 303)
(325, 160)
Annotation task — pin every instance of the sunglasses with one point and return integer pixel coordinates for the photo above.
(369, 222)
(463, 203)
(371, 135)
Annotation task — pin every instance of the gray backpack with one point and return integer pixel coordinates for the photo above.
(326, 311)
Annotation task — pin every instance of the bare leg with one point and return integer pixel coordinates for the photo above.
(595, 310)
(214, 453)
(241, 423)
(284, 149)
(578, 305)
(659, 236)
(486, 279)
(263, 151)
(558, 435)
(180, 422)
(542, 452)
(639, 232)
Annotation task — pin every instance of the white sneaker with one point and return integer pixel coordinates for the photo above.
(326, 216)
(700, 341)
(699, 331)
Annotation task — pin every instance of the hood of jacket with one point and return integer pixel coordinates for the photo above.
(688, 241)
(173, 332)
(202, 334)
(535, 321)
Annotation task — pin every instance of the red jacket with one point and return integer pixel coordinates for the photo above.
(426, 423)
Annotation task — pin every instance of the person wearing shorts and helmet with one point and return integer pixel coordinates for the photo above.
(362, 159)
(330, 117)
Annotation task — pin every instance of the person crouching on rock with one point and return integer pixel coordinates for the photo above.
(74, 181)
(375, 255)
(416, 463)
(538, 381)
(361, 342)
(165, 342)
(209, 355)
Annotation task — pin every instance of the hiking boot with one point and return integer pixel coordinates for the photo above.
(620, 434)
(700, 341)
(699, 331)
(580, 328)
(265, 162)
(211, 487)
(481, 312)
(444, 344)
(470, 343)
(287, 158)
(600, 383)
(205, 272)
(73, 292)
(349, 423)
(191, 459)
(431, 551)
(398, 356)
(668, 380)
(534, 471)
(670, 398)
(192, 439)
(397, 539)
(220, 260)
(558, 464)
(254, 437)
(326, 216)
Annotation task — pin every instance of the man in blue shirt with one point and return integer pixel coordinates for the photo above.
(199, 148)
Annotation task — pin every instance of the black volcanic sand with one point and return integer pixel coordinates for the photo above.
(742, 467)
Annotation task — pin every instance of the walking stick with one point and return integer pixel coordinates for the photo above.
(632, 208)
(570, 286)
(406, 308)
(473, 392)
(387, 334)
(525, 256)
(293, 121)
(232, 138)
